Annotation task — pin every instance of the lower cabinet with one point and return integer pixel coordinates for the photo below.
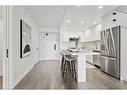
(89, 59)
(96, 60)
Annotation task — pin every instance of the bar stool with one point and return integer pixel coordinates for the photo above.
(62, 62)
(73, 68)
(65, 67)
(69, 67)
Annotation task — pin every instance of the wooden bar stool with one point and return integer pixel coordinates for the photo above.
(69, 67)
(66, 67)
(62, 62)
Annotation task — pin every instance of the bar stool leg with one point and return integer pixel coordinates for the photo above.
(63, 68)
(62, 63)
(66, 68)
(74, 71)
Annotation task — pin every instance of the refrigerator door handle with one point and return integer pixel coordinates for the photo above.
(109, 57)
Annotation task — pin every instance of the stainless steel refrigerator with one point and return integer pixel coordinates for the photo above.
(110, 51)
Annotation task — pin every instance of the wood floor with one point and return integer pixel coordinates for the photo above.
(1, 82)
(47, 75)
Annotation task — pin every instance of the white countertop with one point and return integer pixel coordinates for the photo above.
(85, 52)
(81, 61)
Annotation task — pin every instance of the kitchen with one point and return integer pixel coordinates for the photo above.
(103, 40)
(80, 47)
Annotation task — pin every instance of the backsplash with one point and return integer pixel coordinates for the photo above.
(92, 45)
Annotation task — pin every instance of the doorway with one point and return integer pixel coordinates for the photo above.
(49, 48)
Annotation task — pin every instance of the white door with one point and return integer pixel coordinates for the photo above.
(49, 46)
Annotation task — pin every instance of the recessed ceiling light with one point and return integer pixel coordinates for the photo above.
(100, 7)
(94, 23)
(82, 22)
(68, 20)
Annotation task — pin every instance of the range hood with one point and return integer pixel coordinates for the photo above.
(74, 39)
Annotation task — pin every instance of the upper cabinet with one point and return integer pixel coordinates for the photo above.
(93, 34)
(66, 35)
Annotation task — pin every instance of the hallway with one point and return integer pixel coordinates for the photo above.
(47, 75)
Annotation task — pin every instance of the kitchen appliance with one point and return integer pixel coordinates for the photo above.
(74, 39)
(110, 51)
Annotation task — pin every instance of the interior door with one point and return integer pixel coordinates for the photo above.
(49, 46)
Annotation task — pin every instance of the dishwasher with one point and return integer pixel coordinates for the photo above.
(96, 59)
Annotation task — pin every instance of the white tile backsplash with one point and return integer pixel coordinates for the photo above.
(92, 45)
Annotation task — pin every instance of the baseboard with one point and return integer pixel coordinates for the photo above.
(23, 75)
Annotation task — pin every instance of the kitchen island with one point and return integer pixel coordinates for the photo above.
(81, 62)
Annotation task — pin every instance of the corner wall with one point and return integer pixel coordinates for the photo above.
(21, 66)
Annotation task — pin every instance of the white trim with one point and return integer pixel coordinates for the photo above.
(5, 45)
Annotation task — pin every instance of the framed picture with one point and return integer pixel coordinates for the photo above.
(25, 39)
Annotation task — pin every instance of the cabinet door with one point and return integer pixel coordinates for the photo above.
(92, 34)
(96, 60)
(89, 58)
(64, 37)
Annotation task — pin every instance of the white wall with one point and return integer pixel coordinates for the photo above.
(1, 30)
(21, 66)
(46, 46)
(123, 67)
(50, 31)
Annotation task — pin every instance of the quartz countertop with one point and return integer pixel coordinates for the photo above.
(74, 52)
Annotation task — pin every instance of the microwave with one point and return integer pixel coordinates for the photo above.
(73, 39)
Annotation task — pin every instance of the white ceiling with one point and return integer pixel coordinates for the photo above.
(91, 15)
(57, 16)
(46, 16)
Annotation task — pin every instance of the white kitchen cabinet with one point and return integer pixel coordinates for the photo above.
(89, 58)
(66, 35)
(93, 34)
(64, 38)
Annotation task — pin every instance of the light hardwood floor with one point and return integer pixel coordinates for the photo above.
(47, 75)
